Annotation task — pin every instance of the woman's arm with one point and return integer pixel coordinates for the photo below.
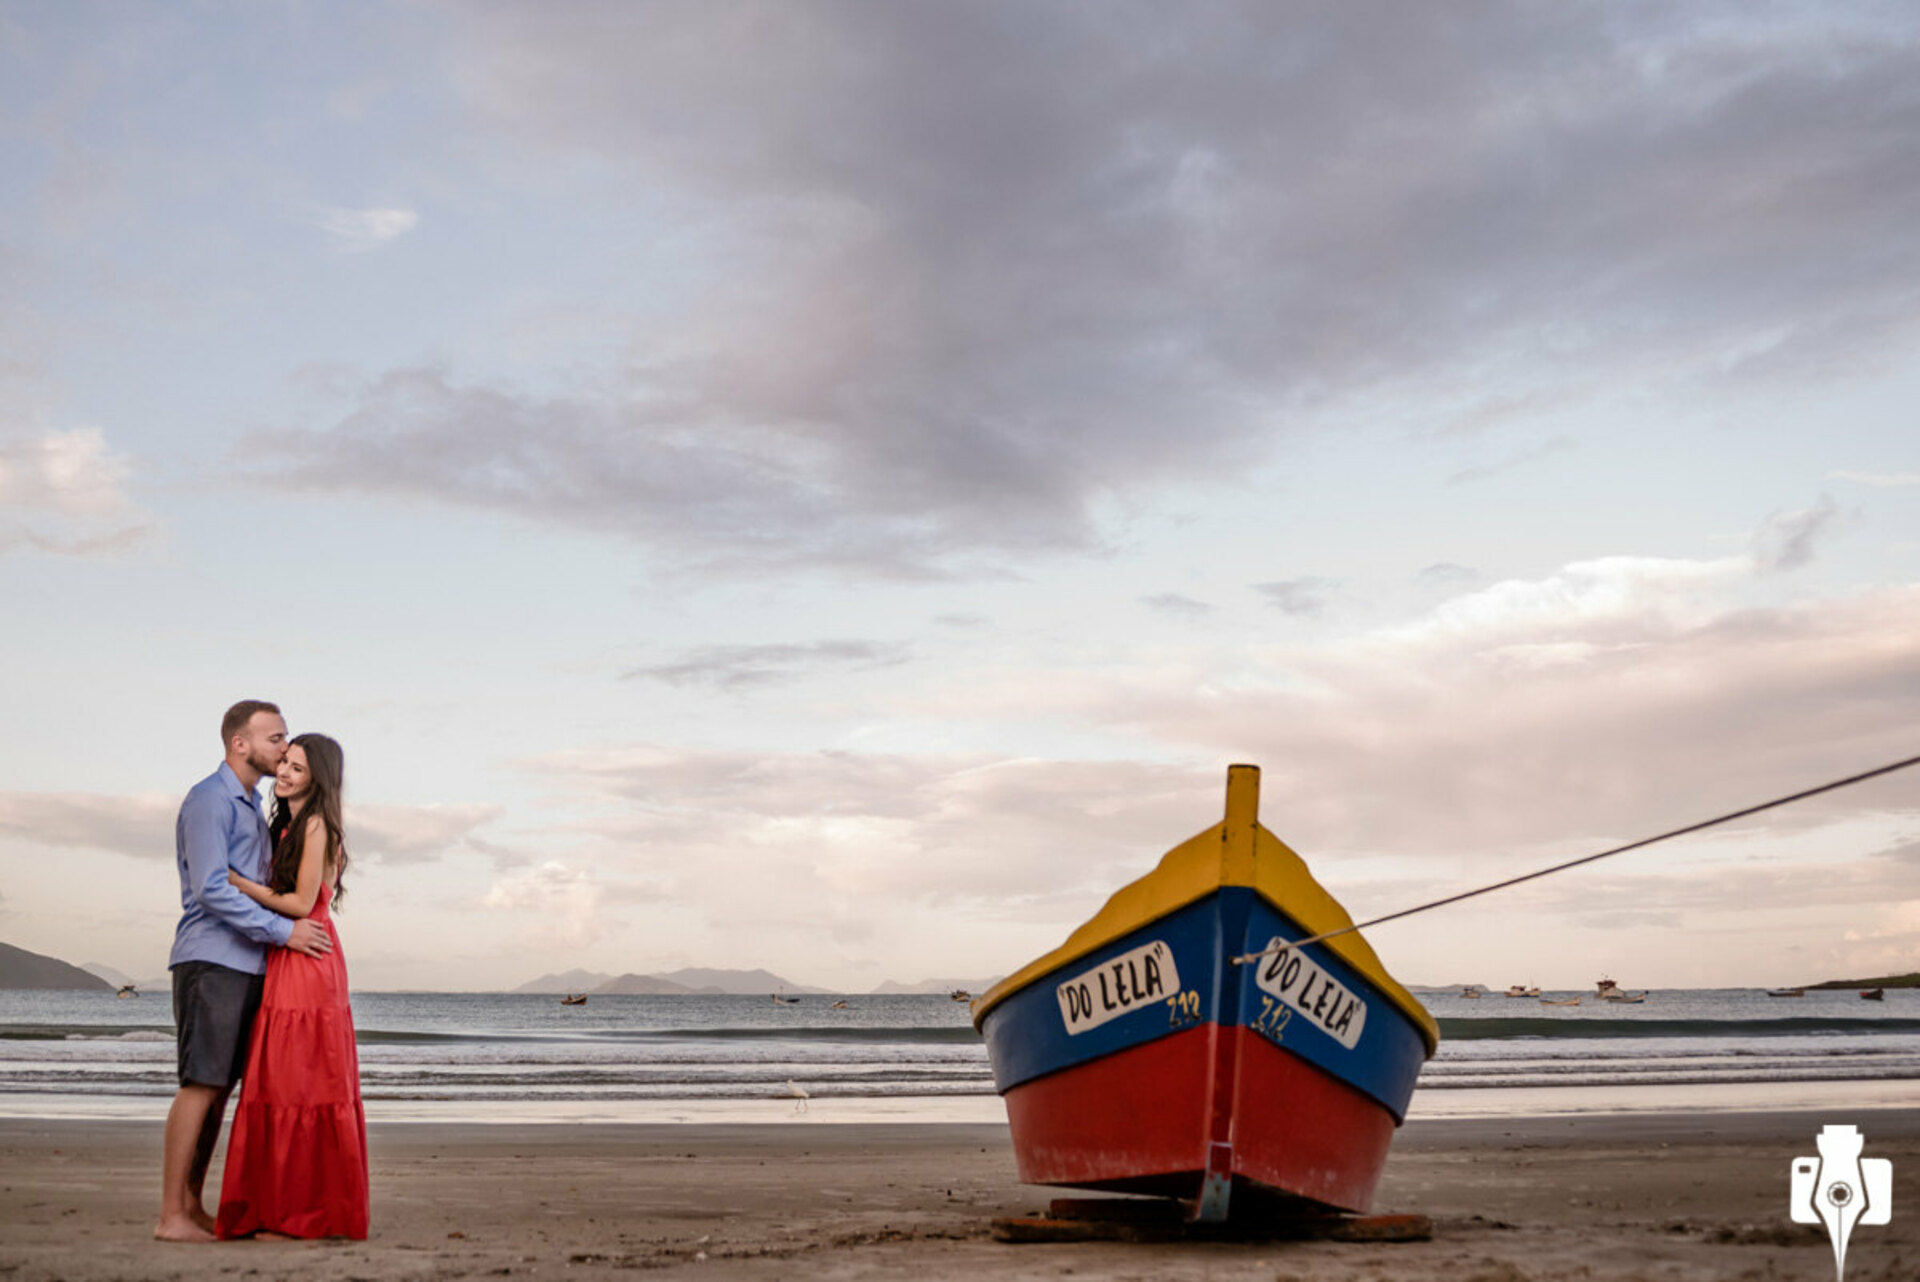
(207, 837)
(299, 901)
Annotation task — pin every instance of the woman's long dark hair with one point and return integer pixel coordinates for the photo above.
(326, 776)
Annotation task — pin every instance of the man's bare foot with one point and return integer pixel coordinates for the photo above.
(200, 1217)
(181, 1228)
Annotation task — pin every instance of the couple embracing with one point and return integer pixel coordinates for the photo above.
(260, 997)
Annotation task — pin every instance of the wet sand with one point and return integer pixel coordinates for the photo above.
(1676, 1197)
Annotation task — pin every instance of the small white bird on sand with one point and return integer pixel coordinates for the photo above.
(800, 1096)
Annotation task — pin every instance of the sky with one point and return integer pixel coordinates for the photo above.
(831, 487)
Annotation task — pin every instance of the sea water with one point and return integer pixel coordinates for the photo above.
(496, 1056)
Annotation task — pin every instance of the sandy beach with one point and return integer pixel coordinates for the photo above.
(1668, 1196)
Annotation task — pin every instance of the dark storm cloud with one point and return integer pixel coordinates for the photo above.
(735, 667)
(966, 271)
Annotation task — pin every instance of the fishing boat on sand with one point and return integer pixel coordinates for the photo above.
(1180, 1043)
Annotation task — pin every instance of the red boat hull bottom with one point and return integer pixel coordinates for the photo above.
(1143, 1120)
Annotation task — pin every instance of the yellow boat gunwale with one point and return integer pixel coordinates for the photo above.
(1237, 851)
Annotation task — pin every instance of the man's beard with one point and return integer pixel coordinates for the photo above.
(258, 763)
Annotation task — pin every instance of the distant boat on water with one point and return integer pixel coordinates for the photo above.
(1559, 1001)
(574, 999)
(1524, 990)
(960, 995)
(1873, 994)
(127, 990)
(1472, 990)
(1181, 1044)
(1786, 992)
(781, 997)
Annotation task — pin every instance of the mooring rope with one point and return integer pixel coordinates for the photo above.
(1584, 859)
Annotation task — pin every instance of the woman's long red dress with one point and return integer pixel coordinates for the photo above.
(297, 1156)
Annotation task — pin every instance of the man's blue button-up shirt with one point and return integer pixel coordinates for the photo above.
(220, 828)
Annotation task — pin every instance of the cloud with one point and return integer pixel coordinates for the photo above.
(1883, 480)
(358, 230)
(1175, 604)
(1509, 727)
(1604, 702)
(939, 305)
(142, 826)
(1546, 449)
(1447, 574)
(737, 667)
(541, 888)
(415, 834)
(68, 472)
(554, 904)
(61, 492)
(1302, 598)
(1785, 539)
(1393, 798)
(813, 828)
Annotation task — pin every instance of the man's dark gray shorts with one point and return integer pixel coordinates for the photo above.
(213, 1009)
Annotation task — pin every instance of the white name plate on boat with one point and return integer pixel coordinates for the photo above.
(1134, 979)
(1307, 990)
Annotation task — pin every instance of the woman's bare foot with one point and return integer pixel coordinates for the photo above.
(181, 1227)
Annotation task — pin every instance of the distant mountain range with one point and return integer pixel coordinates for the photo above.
(22, 969)
(120, 979)
(974, 986)
(692, 979)
(566, 981)
(1911, 980)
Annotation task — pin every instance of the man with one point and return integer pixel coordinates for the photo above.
(219, 955)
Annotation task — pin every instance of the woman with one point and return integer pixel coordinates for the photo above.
(297, 1159)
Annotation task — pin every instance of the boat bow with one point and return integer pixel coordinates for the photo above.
(1183, 1041)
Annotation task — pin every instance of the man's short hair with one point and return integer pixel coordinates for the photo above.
(240, 714)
